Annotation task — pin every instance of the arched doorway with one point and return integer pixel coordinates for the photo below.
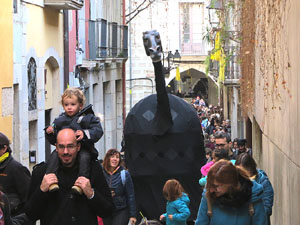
(52, 95)
(201, 89)
(194, 82)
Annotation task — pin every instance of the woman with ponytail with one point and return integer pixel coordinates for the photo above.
(231, 198)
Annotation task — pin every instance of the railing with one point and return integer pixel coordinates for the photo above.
(232, 70)
(107, 40)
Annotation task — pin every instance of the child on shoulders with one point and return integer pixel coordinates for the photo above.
(88, 131)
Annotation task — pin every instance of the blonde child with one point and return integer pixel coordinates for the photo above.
(88, 131)
(177, 204)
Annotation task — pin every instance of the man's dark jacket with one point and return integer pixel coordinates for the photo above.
(14, 180)
(63, 207)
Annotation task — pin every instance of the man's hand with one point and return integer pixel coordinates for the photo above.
(85, 185)
(79, 135)
(47, 181)
(170, 217)
(50, 130)
(132, 220)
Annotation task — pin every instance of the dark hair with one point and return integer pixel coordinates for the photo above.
(225, 172)
(108, 155)
(242, 142)
(172, 190)
(247, 162)
(8, 148)
(222, 135)
(208, 151)
(220, 153)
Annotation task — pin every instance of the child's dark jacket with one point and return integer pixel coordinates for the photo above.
(84, 120)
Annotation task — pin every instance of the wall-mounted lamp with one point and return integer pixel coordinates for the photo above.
(32, 156)
(170, 59)
(214, 6)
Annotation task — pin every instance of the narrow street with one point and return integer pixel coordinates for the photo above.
(173, 86)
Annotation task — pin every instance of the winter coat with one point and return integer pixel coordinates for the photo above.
(268, 196)
(179, 209)
(234, 215)
(63, 207)
(84, 120)
(124, 193)
(14, 180)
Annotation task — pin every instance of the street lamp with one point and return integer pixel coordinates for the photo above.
(171, 60)
(213, 8)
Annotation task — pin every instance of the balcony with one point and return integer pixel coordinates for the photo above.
(107, 40)
(65, 4)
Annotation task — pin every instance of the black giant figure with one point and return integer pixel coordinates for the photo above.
(163, 140)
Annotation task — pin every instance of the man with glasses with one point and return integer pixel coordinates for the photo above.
(63, 207)
(223, 141)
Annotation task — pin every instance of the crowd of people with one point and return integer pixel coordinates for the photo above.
(235, 191)
(73, 187)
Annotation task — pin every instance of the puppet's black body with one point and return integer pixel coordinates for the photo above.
(163, 140)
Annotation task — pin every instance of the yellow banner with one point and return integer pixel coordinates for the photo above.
(177, 74)
(219, 55)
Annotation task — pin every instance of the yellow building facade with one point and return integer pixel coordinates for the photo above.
(38, 79)
(6, 64)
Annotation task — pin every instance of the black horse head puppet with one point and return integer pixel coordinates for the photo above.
(163, 140)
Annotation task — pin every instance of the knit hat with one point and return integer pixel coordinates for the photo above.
(242, 142)
(3, 139)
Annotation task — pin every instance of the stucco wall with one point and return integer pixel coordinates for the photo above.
(6, 65)
(44, 29)
(276, 107)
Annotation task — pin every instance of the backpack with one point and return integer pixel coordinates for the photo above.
(123, 177)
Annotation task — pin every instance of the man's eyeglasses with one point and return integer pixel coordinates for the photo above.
(69, 147)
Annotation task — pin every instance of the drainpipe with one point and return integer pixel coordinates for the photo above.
(66, 49)
(124, 76)
(130, 58)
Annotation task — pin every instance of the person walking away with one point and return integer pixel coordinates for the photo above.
(177, 203)
(14, 177)
(122, 190)
(248, 163)
(88, 131)
(63, 207)
(231, 198)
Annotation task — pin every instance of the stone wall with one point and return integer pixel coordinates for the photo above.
(276, 105)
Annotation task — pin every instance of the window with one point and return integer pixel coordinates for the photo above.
(192, 28)
(31, 72)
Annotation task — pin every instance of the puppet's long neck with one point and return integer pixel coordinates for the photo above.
(163, 118)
